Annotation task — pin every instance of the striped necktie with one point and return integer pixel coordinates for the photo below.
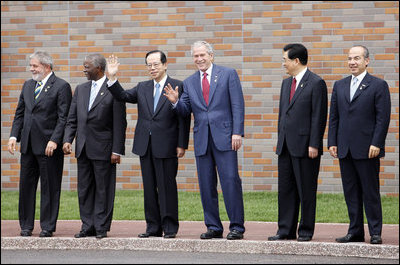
(38, 88)
(157, 96)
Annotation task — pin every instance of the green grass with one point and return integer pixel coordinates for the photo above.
(259, 206)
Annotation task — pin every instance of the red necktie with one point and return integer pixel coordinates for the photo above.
(206, 87)
(292, 88)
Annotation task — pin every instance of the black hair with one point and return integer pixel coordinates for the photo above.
(297, 50)
(163, 58)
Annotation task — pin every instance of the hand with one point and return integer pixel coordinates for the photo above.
(67, 148)
(236, 142)
(171, 94)
(373, 151)
(11, 145)
(51, 146)
(112, 67)
(180, 152)
(115, 159)
(333, 151)
(312, 152)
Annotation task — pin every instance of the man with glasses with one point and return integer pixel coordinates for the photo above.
(161, 137)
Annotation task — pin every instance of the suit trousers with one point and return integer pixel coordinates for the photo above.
(96, 192)
(226, 163)
(297, 185)
(160, 192)
(49, 169)
(360, 180)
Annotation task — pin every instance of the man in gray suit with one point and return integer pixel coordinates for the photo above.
(99, 122)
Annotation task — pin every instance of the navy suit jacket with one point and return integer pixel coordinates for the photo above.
(168, 130)
(224, 114)
(42, 119)
(101, 130)
(356, 125)
(302, 121)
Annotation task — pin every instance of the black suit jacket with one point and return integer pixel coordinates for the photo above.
(302, 121)
(364, 121)
(168, 130)
(102, 129)
(43, 119)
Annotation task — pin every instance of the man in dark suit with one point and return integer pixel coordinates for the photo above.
(214, 95)
(358, 124)
(301, 125)
(161, 136)
(39, 124)
(99, 122)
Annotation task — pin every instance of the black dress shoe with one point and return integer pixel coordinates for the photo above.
(147, 234)
(304, 238)
(26, 232)
(376, 239)
(280, 237)
(46, 233)
(211, 234)
(234, 235)
(350, 238)
(170, 235)
(101, 234)
(85, 233)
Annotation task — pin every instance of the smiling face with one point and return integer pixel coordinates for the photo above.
(38, 70)
(91, 72)
(157, 70)
(201, 58)
(357, 61)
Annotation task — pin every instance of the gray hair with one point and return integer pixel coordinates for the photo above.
(366, 51)
(43, 57)
(98, 60)
(202, 43)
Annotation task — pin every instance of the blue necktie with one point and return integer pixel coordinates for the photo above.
(38, 89)
(93, 95)
(157, 95)
(353, 88)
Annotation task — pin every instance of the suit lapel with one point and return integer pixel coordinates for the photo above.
(213, 82)
(149, 89)
(162, 99)
(45, 89)
(100, 95)
(347, 89)
(197, 88)
(300, 87)
(362, 87)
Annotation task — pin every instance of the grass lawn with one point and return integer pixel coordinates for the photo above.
(259, 206)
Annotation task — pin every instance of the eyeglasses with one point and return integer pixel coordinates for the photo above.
(156, 65)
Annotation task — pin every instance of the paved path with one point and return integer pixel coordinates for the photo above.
(123, 235)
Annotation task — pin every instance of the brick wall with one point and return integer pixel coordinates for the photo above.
(246, 35)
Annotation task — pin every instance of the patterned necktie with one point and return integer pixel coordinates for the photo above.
(292, 89)
(353, 88)
(157, 95)
(93, 95)
(206, 87)
(38, 88)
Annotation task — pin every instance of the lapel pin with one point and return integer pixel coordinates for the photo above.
(102, 93)
(301, 85)
(362, 86)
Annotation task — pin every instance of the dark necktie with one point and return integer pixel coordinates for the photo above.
(206, 87)
(292, 89)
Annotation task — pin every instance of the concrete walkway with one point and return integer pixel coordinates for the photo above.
(123, 235)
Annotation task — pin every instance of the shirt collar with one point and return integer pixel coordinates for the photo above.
(360, 77)
(162, 81)
(44, 80)
(300, 75)
(99, 82)
(208, 71)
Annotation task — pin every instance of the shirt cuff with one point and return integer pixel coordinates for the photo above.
(111, 82)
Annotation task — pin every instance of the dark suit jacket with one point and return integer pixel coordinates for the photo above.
(168, 130)
(102, 129)
(43, 119)
(224, 114)
(355, 125)
(302, 121)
